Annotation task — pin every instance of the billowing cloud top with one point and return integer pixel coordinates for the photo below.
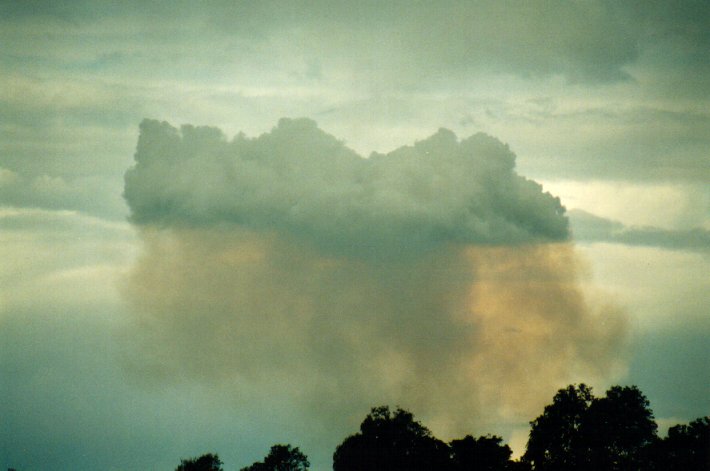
(300, 180)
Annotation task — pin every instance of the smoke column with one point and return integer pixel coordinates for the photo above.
(433, 277)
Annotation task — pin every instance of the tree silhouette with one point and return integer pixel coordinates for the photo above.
(686, 448)
(206, 462)
(281, 458)
(617, 430)
(487, 453)
(577, 431)
(554, 442)
(581, 432)
(391, 441)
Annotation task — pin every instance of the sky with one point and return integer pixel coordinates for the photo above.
(232, 224)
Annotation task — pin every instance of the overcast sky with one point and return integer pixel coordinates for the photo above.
(400, 237)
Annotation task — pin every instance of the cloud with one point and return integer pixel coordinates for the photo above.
(303, 181)
(580, 90)
(434, 277)
(631, 142)
(590, 228)
(70, 258)
(667, 205)
(585, 42)
(91, 195)
(629, 79)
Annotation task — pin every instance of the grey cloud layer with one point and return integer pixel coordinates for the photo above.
(584, 41)
(299, 179)
(93, 195)
(591, 228)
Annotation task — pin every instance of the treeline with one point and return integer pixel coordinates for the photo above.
(577, 431)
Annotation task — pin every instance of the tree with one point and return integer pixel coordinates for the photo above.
(581, 432)
(487, 453)
(617, 431)
(391, 441)
(206, 462)
(686, 448)
(554, 442)
(281, 458)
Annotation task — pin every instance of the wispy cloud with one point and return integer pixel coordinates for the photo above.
(587, 227)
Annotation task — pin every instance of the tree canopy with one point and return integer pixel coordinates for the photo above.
(576, 432)
(686, 448)
(617, 429)
(487, 453)
(554, 437)
(281, 458)
(206, 462)
(579, 431)
(392, 441)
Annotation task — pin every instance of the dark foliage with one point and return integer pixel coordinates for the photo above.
(487, 453)
(617, 430)
(281, 458)
(577, 432)
(391, 441)
(581, 432)
(687, 448)
(207, 462)
(554, 443)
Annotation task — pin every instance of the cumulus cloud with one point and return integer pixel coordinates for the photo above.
(300, 180)
(434, 276)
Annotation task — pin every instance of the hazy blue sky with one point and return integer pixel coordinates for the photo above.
(330, 263)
